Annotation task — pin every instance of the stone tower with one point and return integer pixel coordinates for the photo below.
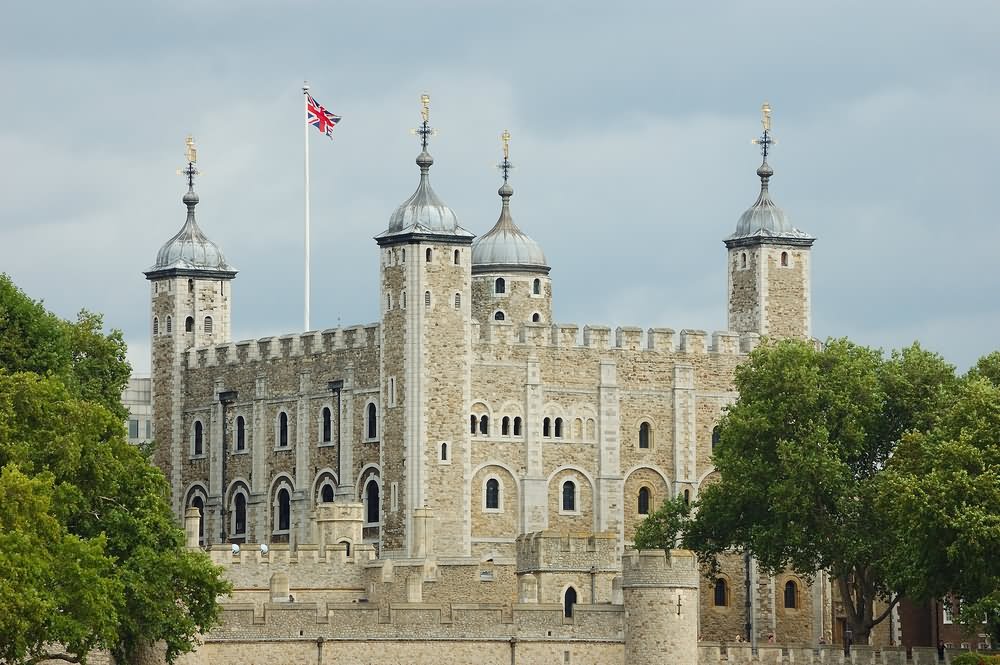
(510, 276)
(660, 593)
(769, 265)
(190, 298)
(426, 289)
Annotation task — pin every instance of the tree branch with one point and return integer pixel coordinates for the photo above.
(892, 603)
(67, 657)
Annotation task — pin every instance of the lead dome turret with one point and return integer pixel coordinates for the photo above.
(505, 246)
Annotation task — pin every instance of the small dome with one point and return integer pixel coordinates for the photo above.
(505, 246)
(424, 212)
(190, 249)
(765, 219)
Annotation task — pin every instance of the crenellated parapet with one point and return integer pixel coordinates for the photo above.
(299, 345)
(660, 592)
(660, 569)
(552, 550)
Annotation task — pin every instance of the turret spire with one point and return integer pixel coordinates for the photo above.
(505, 191)
(191, 154)
(765, 142)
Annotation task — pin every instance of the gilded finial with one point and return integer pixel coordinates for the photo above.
(505, 166)
(424, 130)
(505, 137)
(766, 140)
(425, 103)
(191, 152)
(765, 116)
(191, 157)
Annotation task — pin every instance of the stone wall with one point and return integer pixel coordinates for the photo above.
(518, 303)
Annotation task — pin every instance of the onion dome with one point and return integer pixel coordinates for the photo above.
(190, 251)
(505, 247)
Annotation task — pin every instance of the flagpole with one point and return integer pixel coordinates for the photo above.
(305, 127)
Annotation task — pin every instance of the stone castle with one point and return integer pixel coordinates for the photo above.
(467, 469)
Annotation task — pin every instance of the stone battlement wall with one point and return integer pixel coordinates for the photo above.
(286, 346)
(677, 568)
(625, 338)
(555, 550)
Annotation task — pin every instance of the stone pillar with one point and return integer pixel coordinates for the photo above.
(423, 533)
(685, 428)
(527, 588)
(279, 587)
(192, 519)
(660, 592)
(534, 489)
(414, 588)
(610, 485)
(302, 498)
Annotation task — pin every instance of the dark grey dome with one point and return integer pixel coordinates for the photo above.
(424, 211)
(190, 250)
(765, 219)
(505, 246)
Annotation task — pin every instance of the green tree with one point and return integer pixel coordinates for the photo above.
(663, 527)
(799, 458)
(943, 488)
(111, 570)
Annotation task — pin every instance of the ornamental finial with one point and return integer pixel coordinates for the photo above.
(424, 130)
(191, 156)
(766, 140)
(505, 166)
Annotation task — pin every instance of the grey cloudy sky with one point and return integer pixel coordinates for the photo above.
(631, 126)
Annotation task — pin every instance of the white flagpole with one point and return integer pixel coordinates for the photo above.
(305, 126)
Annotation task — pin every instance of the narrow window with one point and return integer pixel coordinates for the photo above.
(240, 515)
(284, 509)
(498, 316)
(326, 494)
(644, 435)
(208, 325)
(536, 287)
(428, 255)
(500, 286)
(402, 300)
(721, 593)
(784, 259)
(716, 435)
(546, 427)
(189, 324)
(200, 505)
(484, 425)
(190, 286)
(156, 325)
(568, 602)
(404, 255)
(492, 494)
(427, 299)
(458, 257)
(327, 424)
(170, 325)
(388, 301)
(199, 443)
(241, 433)
(473, 425)
(505, 426)
(372, 421)
(687, 497)
(282, 429)
(517, 425)
(458, 301)
(444, 452)
(371, 502)
(569, 496)
(536, 318)
(133, 429)
(558, 428)
(643, 500)
(743, 260)
(791, 595)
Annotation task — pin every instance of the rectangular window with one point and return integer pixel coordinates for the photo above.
(392, 391)
(149, 429)
(133, 429)
(394, 497)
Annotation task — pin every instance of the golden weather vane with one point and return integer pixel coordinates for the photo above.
(425, 103)
(765, 116)
(505, 137)
(191, 155)
(766, 140)
(505, 166)
(191, 152)
(424, 130)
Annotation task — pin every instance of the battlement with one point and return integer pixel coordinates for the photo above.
(628, 338)
(550, 550)
(314, 342)
(658, 568)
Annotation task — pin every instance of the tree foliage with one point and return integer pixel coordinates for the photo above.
(90, 554)
(800, 456)
(662, 528)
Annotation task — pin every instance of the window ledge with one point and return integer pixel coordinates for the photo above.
(198, 457)
(493, 511)
(282, 449)
(245, 451)
(326, 444)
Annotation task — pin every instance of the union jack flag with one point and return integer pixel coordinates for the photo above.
(320, 118)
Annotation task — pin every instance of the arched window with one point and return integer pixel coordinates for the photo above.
(721, 593)
(284, 510)
(716, 436)
(156, 325)
(326, 494)
(473, 425)
(208, 325)
(498, 316)
(282, 429)
(536, 286)
(427, 299)
(791, 595)
(644, 435)
(444, 452)
(546, 427)
(458, 257)
(241, 433)
(170, 325)
(643, 500)
(500, 285)
(517, 425)
(372, 430)
(492, 494)
(536, 318)
(558, 428)
(569, 600)
(484, 425)
(784, 259)
(190, 286)
(199, 438)
(429, 255)
(327, 425)
(505, 426)
(569, 496)
(189, 324)
(239, 515)
(198, 503)
(458, 301)
(371, 502)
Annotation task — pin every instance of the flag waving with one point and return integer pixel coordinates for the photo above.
(320, 118)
